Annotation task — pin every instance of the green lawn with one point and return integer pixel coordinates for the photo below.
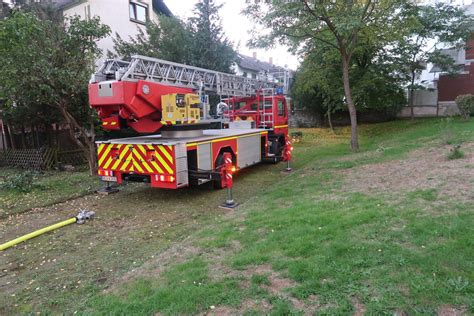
(47, 188)
(387, 230)
(310, 244)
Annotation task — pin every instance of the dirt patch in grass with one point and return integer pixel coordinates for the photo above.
(262, 307)
(358, 306)
(447, 310)
(424, 169)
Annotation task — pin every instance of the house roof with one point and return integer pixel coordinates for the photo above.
(160, 8)
(158, 5)
(254, 64)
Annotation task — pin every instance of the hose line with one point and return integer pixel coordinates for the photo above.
(80, 218)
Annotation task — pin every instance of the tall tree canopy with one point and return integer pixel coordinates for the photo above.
(201, 42)
(375, 86)
(345, 27)
(337, 24)
(47, 63)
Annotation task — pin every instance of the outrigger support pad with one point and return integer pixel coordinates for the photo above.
(108, 189)
(84, 215)
(287, 153)
(227, 171)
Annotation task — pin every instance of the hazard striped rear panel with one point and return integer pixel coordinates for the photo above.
(137, 158)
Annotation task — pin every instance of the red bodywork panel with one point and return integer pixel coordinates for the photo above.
(261, 109)
(127, 102)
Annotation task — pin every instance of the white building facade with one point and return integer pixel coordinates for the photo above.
(124, 17)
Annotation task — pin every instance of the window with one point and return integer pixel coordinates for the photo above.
(254, 76)
(281, 108)
(244, 74)
(138, 12)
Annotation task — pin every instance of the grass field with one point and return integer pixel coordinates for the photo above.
(387, 230)
(47, 188)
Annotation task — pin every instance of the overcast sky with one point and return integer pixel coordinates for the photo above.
(236, 27)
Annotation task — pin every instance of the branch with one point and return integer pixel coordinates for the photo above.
(325, 19)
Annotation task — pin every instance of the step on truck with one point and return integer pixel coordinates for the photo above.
(180, 142)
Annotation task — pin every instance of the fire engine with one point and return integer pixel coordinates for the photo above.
(181, 143)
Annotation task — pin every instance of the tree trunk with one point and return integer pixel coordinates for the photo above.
(350, 103)
(329, 118)
(11, 136)
(23, 140)
(85, 139)
(411, 96)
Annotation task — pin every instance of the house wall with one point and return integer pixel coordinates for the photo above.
(451, 86)
(470, 49)
(115, 14)
(240, 71)
(425, 97)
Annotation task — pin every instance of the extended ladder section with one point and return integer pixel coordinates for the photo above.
(267, 116)
(170, 73)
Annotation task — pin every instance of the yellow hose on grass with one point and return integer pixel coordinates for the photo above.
(37, 233)
(80, 219)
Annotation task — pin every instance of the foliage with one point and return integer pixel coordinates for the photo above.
(465, 104)
(447, 135)
(168, 39)
(338, 25)
(319, 84)
(387, 31)
(456, 153)
(426, 31)
(200, 42)
(47, 63)
(210, 48)
(22, 181)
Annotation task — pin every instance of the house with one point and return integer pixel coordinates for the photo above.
(251, 67)
(124, 17)
(443, 88)
(4, 9)
(451, 86)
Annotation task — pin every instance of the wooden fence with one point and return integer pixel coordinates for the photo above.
(40, 159)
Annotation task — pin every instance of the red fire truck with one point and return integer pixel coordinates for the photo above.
(181, 143)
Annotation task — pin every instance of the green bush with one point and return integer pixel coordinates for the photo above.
(465, 103)
(22, 181)
(456, 153)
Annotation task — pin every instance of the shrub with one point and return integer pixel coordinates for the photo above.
(465, 104)
(22, 181)
(456, 153)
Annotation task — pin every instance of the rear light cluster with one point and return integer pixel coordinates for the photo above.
(163, 178)
(107, 173)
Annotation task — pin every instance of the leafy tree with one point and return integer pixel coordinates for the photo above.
(210, 48)
(337, 24)
(49, 63)
(427, 30)
(370, 67)
(168, 39)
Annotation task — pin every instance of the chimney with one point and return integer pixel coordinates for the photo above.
(254, 55)
(270, 60)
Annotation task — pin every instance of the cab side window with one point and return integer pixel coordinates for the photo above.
(281, 108)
